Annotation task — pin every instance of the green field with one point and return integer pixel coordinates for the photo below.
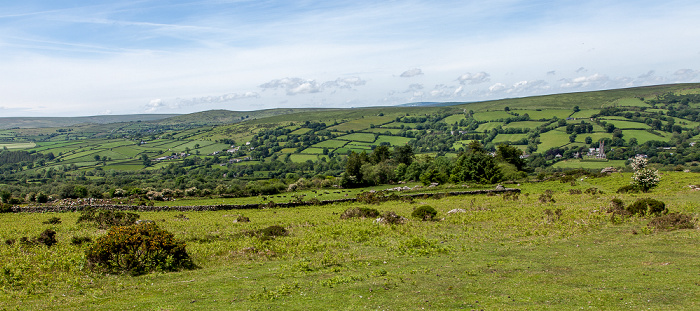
(552, 139)
(546, 114)
(17, 145)
(501, 138)
(622, 124)
(643, 136)
(491, 115)
(455, 118)
(584, 113)
(363, 137)
(313, 151)
(576, 163)
(488, 126)
(393, 140)
(330, 144)
(524, 124)
(631, 102)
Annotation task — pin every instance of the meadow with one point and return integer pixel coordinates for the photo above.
(501, 252)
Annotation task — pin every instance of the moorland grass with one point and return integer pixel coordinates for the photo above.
(497, 254)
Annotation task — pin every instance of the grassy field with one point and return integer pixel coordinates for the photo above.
(553, 139)
(18, 145)
(488, 126)
(509, 137)
(546, 114)
(523, 124)
(363, 137)
(631, 102)
(576, 163)
(498, 255)
(643, 136)
(491, 115)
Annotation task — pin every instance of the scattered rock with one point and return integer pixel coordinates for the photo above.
(457, 210)
(609, 170)
(500, 187)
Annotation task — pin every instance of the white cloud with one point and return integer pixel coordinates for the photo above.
(476, 78)
(595, 80)
(154, 105)
(295, 86)
(178, 103)
(411, 73)
(686, 75)
(497, 88)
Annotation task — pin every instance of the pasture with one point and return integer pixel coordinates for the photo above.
(499, 253)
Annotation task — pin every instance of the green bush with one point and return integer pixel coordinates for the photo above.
(52, 221)
(138, 249)
(359, 212)
(107, 218)
(647, 206)
(48, 238)
(79, 240)
(672, 221)
(424, 212)
(628, 189)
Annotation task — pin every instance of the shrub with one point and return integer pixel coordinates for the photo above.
(79, 240)
(391, 218)
(107, 218)
(52, 221)
(646, 179)
(48, 238)
(241, 218)
(628, 189)
(592, 191)
(546, 197)
(575, 191)
(5, 208)
(616, 205)
(138, 249)
(359, 212)
(424, 212)
(268, 233)
(647, 206)
(672, 221)
(370, 197)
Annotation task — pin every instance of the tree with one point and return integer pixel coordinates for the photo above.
(576, 109)
(510, 154)
(145, 160)
(403, 154)
(589, 140)
(380, 154)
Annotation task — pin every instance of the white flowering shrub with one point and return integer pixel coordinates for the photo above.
(638, 163)
(644, 178)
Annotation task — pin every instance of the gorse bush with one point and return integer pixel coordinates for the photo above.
(391, 218)
(424, 212)
(107, 218)
(359, 212)
(647, 206)
(138, 249)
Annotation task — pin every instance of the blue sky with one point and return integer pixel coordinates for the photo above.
(77, 58)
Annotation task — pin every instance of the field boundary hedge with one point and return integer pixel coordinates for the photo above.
(220, 207)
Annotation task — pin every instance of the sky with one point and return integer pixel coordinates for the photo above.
(84, 58)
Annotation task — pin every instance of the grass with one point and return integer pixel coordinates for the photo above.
(622, 124)
(631, 102)
(499, 254)
(363, 137)
(552, 139)
(488, 126)
(644, 136)
(524, 124)
(393, 140)
(491, 115)
(500, 138)
(576, 163)
(18, 145)
(546, 113)
(330, 144)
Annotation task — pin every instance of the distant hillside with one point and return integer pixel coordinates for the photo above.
(44, 122)
(213, 117)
